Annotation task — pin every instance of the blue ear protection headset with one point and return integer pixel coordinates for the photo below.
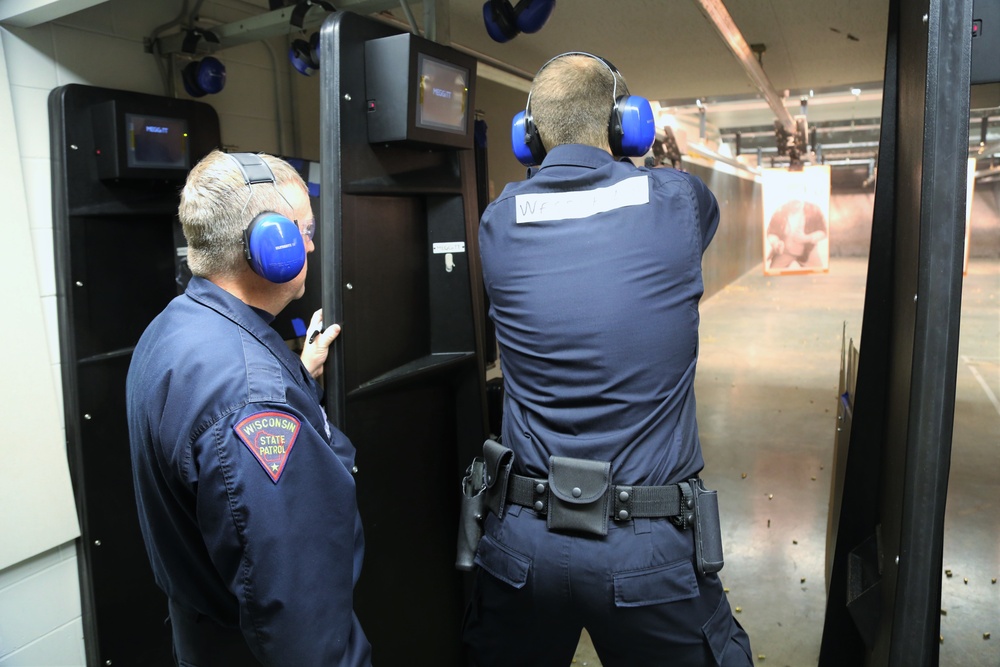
(305, 55)
(204, 77)
(631, 129)
(272, 244)
(505, 22)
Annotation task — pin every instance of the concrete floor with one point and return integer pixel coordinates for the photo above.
(767, 390)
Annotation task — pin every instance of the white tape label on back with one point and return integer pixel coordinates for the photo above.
(541, 207)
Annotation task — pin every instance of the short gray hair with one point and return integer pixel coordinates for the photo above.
(217, 205)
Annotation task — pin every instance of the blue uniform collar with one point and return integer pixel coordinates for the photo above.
(250, 319)
(577, 155)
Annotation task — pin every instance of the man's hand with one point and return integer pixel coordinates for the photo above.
(318, 342)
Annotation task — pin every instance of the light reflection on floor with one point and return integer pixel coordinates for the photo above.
(767, 408)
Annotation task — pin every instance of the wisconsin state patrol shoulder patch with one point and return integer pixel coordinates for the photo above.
(270, 437)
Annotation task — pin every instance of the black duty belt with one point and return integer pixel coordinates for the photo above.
(628, 502)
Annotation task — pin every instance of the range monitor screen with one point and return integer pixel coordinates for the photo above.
(442, 96)
(155, 142)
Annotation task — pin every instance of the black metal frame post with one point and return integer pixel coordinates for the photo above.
(885, 590)
(406, 380)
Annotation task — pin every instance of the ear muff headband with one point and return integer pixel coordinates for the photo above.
(272, 244)
(631, 128)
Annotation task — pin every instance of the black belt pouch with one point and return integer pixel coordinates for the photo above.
(498, 460)
(707, 528)
(578, 495)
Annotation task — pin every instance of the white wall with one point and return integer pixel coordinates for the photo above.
(40, 608)
(40, 623)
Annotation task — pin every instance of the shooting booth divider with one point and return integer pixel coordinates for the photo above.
(119, 160)
(884, 597)
(406, 380)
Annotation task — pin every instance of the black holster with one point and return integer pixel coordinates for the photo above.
(470, 518)
(484, 488)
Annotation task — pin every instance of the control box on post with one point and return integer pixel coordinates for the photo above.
(985, 42)
(418, 92)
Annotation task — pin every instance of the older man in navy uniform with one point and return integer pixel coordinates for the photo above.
(593, 271)
(245, 491)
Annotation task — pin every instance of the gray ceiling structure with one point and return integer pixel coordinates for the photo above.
(830, 53)
(821, 58)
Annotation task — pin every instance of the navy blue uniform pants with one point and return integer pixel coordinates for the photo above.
(636, 591)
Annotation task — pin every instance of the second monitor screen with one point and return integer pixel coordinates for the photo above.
(441, 98)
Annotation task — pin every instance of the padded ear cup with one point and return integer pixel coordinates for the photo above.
(631, 129)
(304, 55)
(274, 247)
(500, 20)
(532, 14)
(204, 77)
(525, 140)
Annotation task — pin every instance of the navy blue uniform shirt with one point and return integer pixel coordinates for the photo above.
(245, 493)
(593, 271)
